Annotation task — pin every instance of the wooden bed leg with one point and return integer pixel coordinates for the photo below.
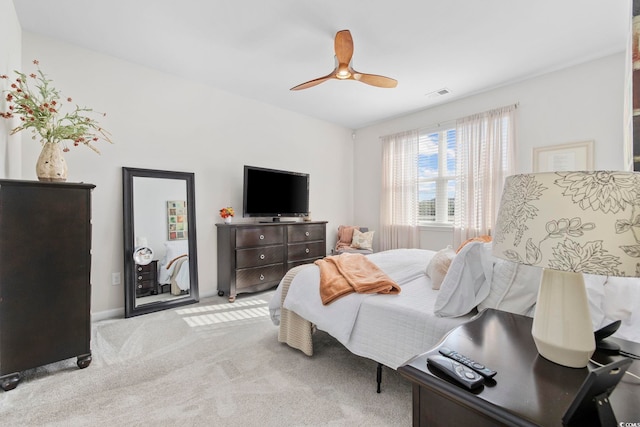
(379, 376)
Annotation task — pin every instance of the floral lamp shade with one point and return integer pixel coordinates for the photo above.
(569, 223)
(585, 222)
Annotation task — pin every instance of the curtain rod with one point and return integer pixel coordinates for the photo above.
(443, 122)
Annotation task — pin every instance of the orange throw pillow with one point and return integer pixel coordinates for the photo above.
(484, 238)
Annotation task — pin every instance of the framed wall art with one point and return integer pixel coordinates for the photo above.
(177, 219)
(577, 156)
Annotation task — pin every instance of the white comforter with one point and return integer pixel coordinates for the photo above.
(389, 329)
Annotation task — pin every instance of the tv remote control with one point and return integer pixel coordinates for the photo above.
(478, 367)
(456, 371)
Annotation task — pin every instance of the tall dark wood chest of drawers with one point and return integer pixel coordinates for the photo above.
(45, 273)
(255, 257)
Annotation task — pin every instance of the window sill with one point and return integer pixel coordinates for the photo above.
(436, 227)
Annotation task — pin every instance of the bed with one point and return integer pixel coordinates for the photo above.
(173, 268)
(391, 329)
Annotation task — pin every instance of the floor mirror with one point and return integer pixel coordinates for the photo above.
(160, 251)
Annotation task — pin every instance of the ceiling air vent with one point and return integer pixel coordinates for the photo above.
(439, 92)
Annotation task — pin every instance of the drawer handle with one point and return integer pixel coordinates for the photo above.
(139, 268)
(262, 237)
(139, 277)
(306, 251)
(139, 286)
(262, 277)
(261, 256)
(306, 233)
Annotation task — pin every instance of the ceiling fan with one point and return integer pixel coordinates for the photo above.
(344, 71)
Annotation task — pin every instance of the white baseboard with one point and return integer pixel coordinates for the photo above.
(213, 293)
(118, 313)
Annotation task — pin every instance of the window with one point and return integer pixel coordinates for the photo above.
(451, 175)
(436, 176)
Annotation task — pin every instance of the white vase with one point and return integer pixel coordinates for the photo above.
(51, 166)
(227, 220)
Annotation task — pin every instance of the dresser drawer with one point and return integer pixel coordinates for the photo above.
(145, 269)
(255, 276)
(259, 236)
(146, 272)
(306, 233)
(143, 277)
(142, 285)
(300, 251)
(290, 265)
(255, 257)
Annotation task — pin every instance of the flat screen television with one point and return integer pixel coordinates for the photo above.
(275, 193)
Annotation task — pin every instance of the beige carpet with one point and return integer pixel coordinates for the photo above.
(208, 364)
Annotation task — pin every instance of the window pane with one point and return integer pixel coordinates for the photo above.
(427, 201)
(451, 196)
(428, 157)
(451, 152)
(436, 176)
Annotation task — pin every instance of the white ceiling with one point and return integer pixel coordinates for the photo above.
(260, 49)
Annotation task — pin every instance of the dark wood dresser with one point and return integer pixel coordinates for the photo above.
(45, 273)
(147, 279)
(255, 257)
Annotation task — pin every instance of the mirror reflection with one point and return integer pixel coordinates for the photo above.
(161, 226)
(160, 240)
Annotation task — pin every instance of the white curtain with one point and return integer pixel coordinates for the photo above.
(399, 199)
(484, 158)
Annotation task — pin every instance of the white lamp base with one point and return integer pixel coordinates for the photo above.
(562, 328)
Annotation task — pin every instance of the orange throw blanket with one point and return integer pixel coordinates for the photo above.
(343, 274)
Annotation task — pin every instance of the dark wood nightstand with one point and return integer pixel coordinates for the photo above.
(528, 389)
(146, 279)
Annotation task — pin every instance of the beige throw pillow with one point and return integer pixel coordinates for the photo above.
(439, 265)
(362, 240)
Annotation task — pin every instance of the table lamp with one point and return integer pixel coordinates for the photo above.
(142, 253)
(569, 223)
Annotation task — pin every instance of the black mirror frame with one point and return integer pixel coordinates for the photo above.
(130, 308)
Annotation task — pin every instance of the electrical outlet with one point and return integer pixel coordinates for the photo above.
(115, 279)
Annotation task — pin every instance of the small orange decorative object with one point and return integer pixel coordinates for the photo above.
(227, 212)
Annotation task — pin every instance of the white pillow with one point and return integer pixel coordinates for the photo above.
(622, 302)
(595, 295)
(514, 287)
(465, 284)
(362, 240)
(439, 265)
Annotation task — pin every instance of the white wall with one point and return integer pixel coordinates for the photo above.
(150, 206)
(159, 121)
(10, 59)
(580, 103)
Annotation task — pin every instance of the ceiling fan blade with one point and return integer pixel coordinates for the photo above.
(375, 80)
(343, 71)
(344, 47)
(314, 82)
